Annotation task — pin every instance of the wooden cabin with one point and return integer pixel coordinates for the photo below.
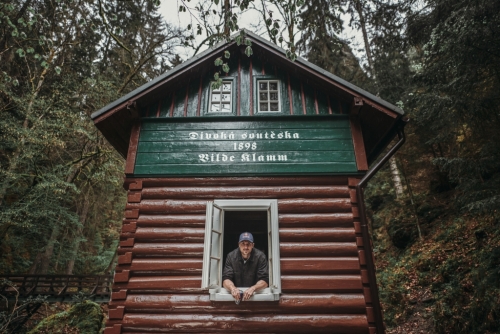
(278, 150)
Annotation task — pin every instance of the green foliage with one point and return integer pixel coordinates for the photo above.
(61, 201)
(455, 93)
(84, 317)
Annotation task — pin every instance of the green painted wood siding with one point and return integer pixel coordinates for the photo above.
(243, 72)
(247, 146)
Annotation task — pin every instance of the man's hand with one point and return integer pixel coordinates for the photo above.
(248, 293)
(235, 293)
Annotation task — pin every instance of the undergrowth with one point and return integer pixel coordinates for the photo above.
(446, 282)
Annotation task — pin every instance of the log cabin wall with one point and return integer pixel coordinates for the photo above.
(323, 269)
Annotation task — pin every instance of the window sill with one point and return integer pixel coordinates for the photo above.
(264, 295)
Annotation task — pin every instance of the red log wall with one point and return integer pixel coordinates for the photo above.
(324, 280)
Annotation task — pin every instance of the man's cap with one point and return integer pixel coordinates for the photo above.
(246, 236)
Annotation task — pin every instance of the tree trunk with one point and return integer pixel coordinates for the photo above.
(398, 186)
(112, 262)
(76, 242)
(15, 157)
(42, 260)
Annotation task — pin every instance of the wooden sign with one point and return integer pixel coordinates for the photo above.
(246, 146)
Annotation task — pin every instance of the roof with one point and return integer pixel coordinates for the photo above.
(378, 117)
(215, 49)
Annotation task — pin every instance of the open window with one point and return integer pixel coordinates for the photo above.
(225, 221)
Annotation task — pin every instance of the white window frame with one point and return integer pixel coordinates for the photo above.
(212, 255)
(269, 93)
(220, 92)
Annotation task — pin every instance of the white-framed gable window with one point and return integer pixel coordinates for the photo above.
(218, 225)
(268, 96)
(221, 98)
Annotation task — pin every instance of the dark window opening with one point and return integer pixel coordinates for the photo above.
(237, 222)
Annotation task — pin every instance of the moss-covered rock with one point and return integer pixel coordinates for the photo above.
(82, 318)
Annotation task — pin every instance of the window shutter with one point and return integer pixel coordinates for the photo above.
(274, 251)
(212, 254)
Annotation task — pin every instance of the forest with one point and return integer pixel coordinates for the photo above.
(433, 210)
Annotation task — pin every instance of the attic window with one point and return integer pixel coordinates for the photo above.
(220, 98)
(268, 96)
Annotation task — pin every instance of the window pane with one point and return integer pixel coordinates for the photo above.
(263, 96)
(215, 107)
(215, 97)
(226, 97)
(274, 107)
(263, 85)
(274, 96)
(226, 107)
(273, 86)
(263, 107)
(226, 87)
(215, 89)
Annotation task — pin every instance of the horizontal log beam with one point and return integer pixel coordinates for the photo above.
(177, 234)
(296, 283)
(289, 303)
(316, 219)
(322, 205)
(319, 249)
(165, 283)
(319, 265)
(207, 323)
(165, 266)
(317, 234)
(306, 265)
(221, 192)
(335, 205)
(171, 220)
(289, 283)
(165, 249)
(238, 181)
(287, 249)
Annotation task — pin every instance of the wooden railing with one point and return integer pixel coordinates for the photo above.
(56, 288)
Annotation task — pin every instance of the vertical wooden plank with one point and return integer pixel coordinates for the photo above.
(132, 148)
(284, 93)
(296, 97)
(198, 107)
(245, 86)
(193, 99)
(186, 100)
(165, 106)
(309, 100)
(172, 105)
(303, 98)
(316, 102)
(359, 145)
(179, 102)
(238, 89)
(290, 99)
(329, 105)
(256, 66)
(158, 110)
(251, 89)
(323, 103)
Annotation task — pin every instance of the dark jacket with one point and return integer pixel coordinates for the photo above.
(246, 274)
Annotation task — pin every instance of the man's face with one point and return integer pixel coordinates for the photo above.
(245, 248)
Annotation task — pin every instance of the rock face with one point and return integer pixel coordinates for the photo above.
(84, 317)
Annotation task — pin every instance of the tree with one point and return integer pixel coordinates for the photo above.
(60, 199)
